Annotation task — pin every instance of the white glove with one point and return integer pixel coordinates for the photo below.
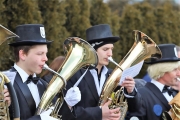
(45, 115)
(73, 96)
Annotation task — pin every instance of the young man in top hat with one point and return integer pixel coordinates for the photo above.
(101, 38)
(156, 94)
(30, 51)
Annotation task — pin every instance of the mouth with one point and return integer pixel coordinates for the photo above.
(41, 66)
(106, 59)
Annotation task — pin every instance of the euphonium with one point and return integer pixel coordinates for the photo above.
(79, 54)
(143, 47)
(4, 111)
(174, 113)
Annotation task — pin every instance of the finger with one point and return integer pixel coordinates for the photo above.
(128, 82)
(108, 102)
(8, 100)
(115, 110)
(129, 79)
(5, 90)
(115, 113)
(6, 94)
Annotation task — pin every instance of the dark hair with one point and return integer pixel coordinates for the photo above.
(55, 65)
(18, 48)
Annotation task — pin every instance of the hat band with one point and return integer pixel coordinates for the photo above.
(96, 45)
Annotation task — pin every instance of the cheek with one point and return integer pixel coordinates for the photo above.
(33, 61)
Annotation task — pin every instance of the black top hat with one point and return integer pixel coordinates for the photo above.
(169, 54)
(30, 34)
(100, 34)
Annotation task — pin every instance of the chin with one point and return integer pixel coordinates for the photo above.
(38, 72)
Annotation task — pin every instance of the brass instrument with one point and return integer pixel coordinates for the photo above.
(144, 47)
(174, 113)
(4, 111)
(79, 54)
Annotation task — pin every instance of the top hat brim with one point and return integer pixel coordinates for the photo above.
(110, 39)
(162, 60)
(20, 43)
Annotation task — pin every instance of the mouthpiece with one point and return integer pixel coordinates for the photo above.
(111, 60)
(46, 67)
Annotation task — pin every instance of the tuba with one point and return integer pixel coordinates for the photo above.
(143, 48)
(79, 54)
(174, 113)
(4, 111)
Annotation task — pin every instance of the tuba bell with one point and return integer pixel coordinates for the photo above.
(143, 48)
(79, 53)
(174, 113)
(4, 111)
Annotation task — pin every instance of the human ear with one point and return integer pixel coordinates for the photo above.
(22, 55)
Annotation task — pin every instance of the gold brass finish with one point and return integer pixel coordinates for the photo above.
(79, 54)
(4, 111)
(174, 113)
(5, 34)
(144, 47)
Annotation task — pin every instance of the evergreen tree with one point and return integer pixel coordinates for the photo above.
(84, 17)
(74, 19)
(167, 23)
(54, 18)
(3, 46)
(16, 12)
(100, 13)
(2, 17)
(117, 5)
(22, 12)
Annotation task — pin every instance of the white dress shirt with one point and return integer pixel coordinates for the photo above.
(32, 87)
(161, 86)
(102, 79)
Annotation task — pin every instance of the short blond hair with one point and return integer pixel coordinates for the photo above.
(156, 71)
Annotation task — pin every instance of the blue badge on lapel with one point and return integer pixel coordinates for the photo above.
(157, 109)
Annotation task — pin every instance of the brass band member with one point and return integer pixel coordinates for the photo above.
(30, 51)
(156, 94)
(101, 38)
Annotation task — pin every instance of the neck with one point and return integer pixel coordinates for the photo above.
(162, 81)
(24, 68)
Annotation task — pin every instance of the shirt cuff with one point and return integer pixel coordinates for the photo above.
(47, 117)
(131, 95)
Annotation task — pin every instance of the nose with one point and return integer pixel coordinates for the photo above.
(45, 58)
(178, 72)
(110, 52)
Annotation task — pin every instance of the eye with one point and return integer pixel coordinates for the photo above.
(40, 53)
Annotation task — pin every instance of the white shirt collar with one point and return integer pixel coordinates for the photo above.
(158, 84)
(102, 79)
(22, 73)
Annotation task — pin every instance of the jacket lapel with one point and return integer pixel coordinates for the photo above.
(41, 87)
(158, 94)
(90, 81)
(26, 92)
